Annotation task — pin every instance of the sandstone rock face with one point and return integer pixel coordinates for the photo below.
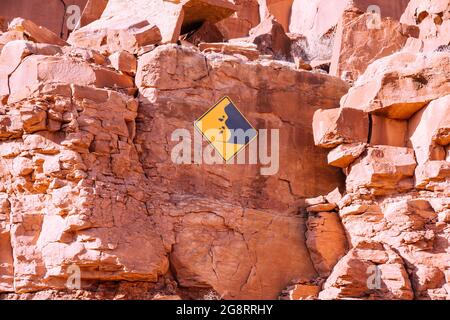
(80, 168)
(344, 155)
(34, 32)
(356, 45)
(173, 88)
(433, 19)
(118, 33)
(316, 17)
(429, 130)
(170, 18)
(102, 172)
(54, 15)
(382, 169)
(276, 99)
(399, 85)
(394, 212)
(333, 127)
(93, 11)
(68, 149)
(358, 265)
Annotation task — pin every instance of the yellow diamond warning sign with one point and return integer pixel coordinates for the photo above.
(226, 128)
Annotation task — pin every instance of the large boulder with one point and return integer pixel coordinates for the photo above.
(326, 240)
(333, 127)
(171, 19)
(399, 85)
(68, 168)
(382, 170)
(12, 55)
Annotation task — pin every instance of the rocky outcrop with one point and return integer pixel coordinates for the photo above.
(85, 159)
(120, 16)
(390, 89)
(397, 185)
(56, 15)
(275, 108)
(103, 175)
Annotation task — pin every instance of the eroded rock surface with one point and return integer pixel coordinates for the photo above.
(94, 179)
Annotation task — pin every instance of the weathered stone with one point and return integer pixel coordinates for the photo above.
(429, 130)
(433, 175)
(172, 18)
(326, 241)
(210, 235)
(323, 207)
(427, 278)
(13, 54)
(388, 132)
(90, 178)
(399, 85)
(363, 264)
(172, 87)
(334, 196)
(116, 34)
(382, 170)
(38, 70)
(34, 32)
(353, 51)
(239, 24)
(337, 126)
(279, 101)
(344, 155)
(124, 61)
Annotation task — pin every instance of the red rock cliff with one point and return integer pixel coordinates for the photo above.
(359, 206)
